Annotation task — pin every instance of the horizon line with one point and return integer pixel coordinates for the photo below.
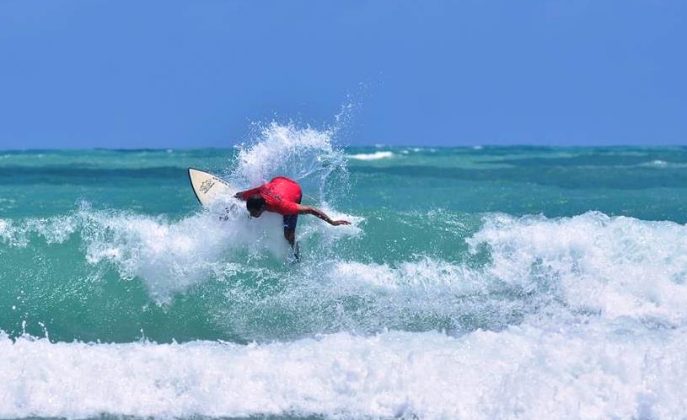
(369, 146)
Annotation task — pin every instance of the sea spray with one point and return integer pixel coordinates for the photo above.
(306, 155)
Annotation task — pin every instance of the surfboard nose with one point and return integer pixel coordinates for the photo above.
(208, 187)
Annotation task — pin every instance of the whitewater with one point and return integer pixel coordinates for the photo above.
(482, 283)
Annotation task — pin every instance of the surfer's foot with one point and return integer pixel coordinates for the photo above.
(296, 253)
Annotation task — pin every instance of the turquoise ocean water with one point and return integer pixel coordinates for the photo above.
(474, 282)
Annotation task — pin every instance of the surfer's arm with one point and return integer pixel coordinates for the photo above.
(322, 215)
(244, 195)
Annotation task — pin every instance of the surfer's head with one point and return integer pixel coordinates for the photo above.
(255, 205)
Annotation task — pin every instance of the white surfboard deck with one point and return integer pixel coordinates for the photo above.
(209, 188)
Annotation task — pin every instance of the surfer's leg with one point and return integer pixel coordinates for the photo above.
(290, 232)
(290, 236)
(290, 223)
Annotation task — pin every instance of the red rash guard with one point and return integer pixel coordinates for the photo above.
(281, 195)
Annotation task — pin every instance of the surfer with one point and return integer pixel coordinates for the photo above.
(283, 195)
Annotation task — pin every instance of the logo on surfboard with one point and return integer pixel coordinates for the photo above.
(206, 185)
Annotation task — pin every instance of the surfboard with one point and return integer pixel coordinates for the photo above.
(209, 188)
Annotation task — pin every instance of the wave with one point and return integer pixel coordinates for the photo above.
(444, 272)
(371, 156)
(658, 163)
(615, 265)
(600, 372)
(514, 270)
(169, 256)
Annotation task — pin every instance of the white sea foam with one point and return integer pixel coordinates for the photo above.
(619, 266)
(519, 270)
(522, 372)
(614, 267)
(53, 230)
(371, 156)
(172, 256)
(426, 273)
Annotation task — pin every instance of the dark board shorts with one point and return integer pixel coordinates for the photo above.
(291, 220)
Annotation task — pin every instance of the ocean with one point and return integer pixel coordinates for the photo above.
(474, 282)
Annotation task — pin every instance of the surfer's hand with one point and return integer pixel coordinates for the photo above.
(340, 222)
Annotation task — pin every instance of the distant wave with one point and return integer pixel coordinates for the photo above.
(371, 156)
(657, 163)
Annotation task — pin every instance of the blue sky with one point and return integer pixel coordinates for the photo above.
(198, 73)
